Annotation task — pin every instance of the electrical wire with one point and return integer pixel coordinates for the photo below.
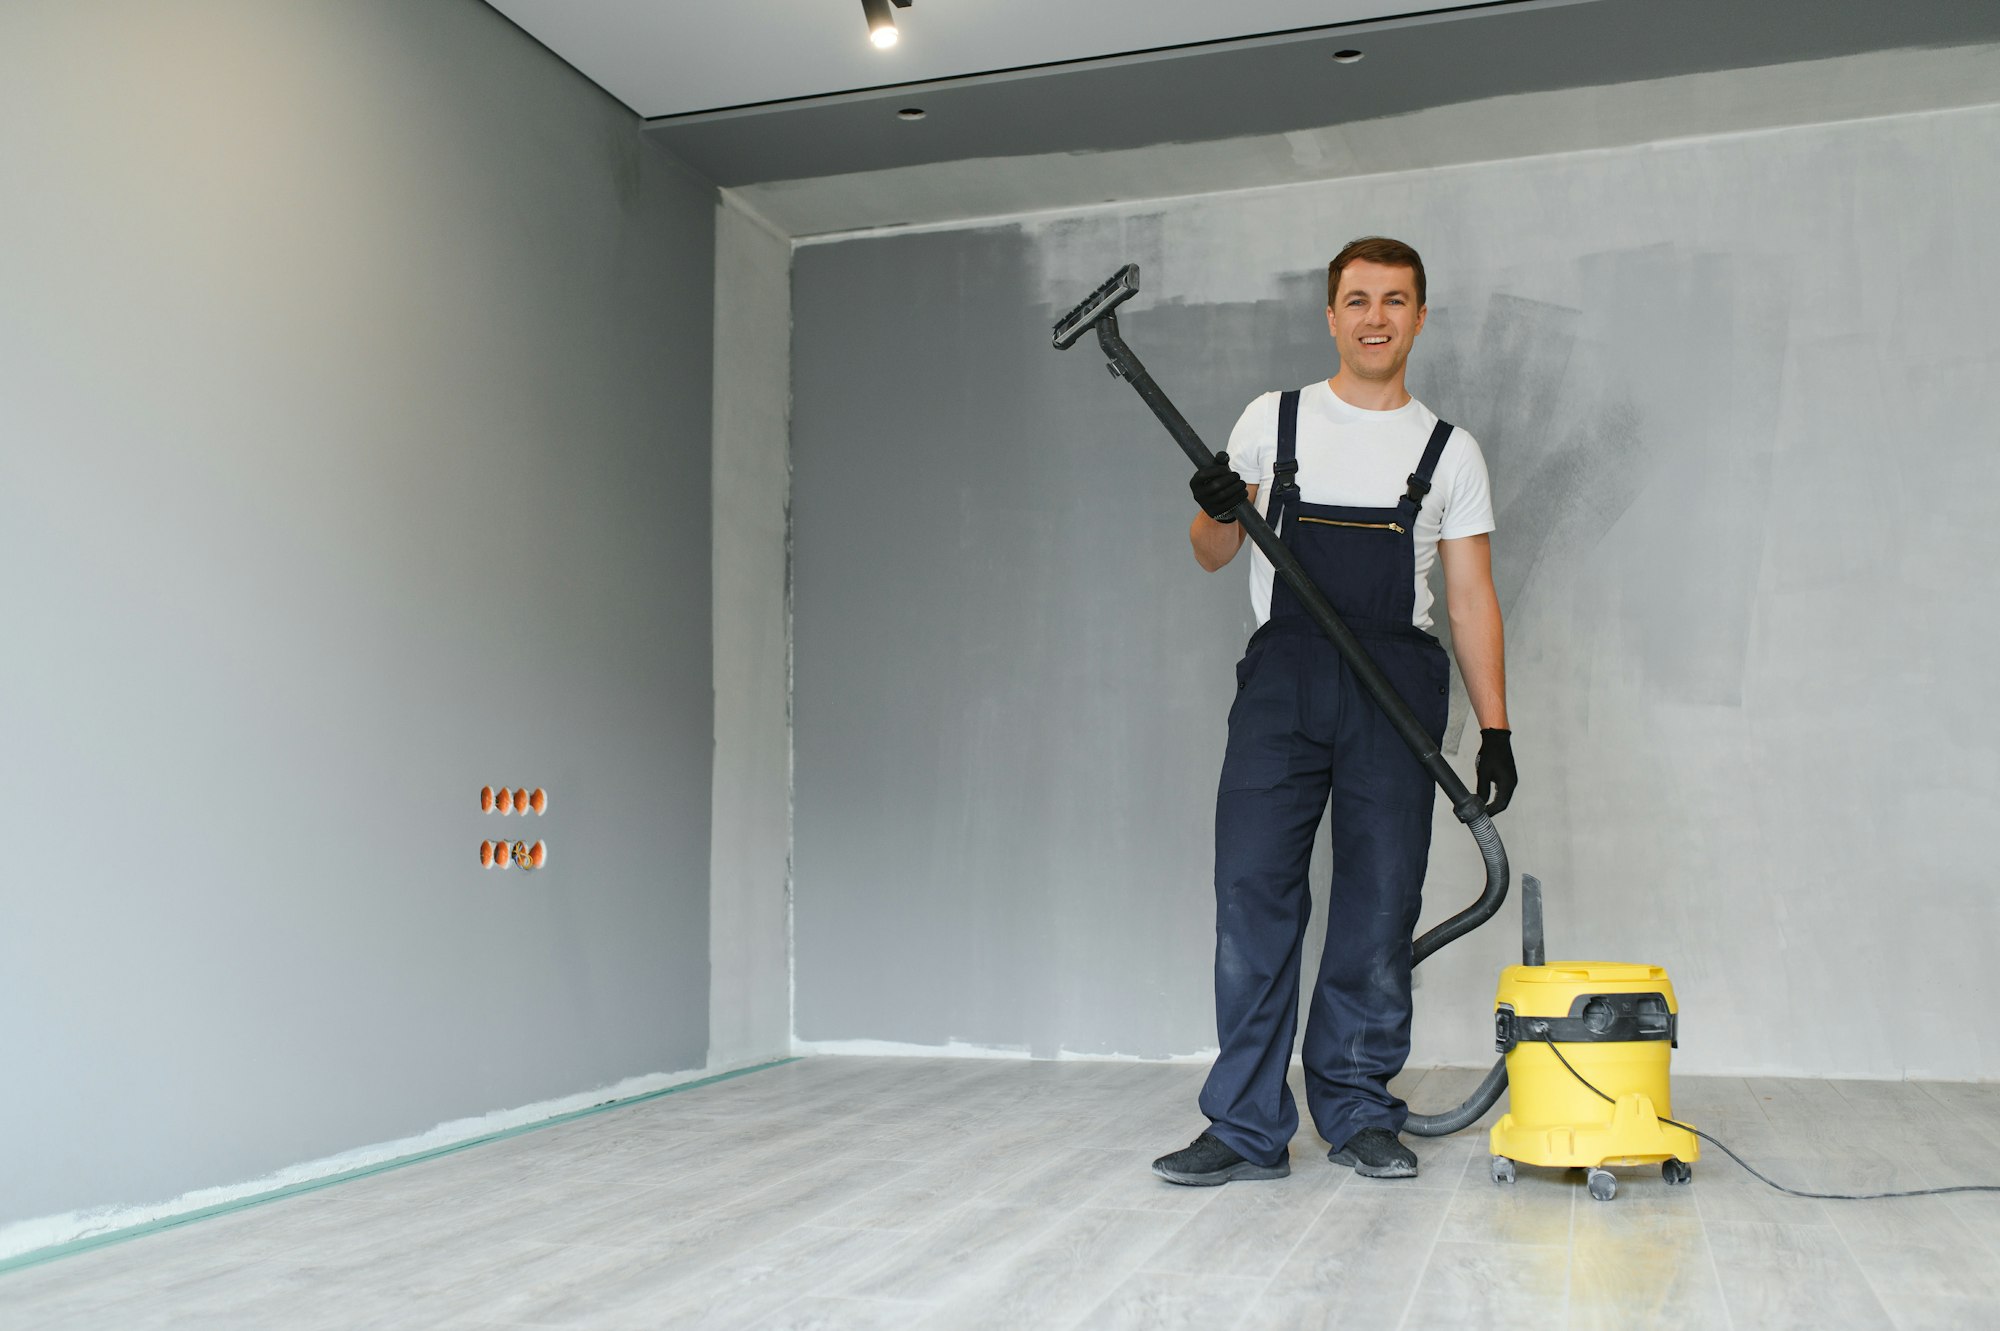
(1794, 1192)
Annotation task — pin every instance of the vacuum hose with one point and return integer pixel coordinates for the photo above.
(1098, 310)
(1495, 1082)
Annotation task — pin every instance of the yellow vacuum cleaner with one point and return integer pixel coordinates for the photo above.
(1610, 1024)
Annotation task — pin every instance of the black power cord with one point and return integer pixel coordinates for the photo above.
(1816, 1196)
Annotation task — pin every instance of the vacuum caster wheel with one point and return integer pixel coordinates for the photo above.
(1676, 1172)
(1503, 1169)
(1603, 1184)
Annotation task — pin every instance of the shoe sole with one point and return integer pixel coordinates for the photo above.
(1245, 1170)
(1397, 1170)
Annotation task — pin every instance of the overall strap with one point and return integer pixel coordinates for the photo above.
(1420, 479)
(1285, 469)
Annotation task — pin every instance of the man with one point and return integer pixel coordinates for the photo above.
(1368, 489)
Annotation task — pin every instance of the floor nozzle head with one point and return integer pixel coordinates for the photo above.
(1122, 286)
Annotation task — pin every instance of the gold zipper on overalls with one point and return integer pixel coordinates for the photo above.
(1395, 527)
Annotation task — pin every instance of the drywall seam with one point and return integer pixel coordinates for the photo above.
(31, 1242)
(992, 191)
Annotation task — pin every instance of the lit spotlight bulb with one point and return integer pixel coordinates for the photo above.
(881, 23)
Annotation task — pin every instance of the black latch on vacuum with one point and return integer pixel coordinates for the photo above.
(1592, 1019)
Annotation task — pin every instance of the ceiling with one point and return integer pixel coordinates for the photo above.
(676, 57)
(753, 91)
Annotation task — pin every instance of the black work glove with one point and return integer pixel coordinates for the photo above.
(1218, 489)
(1496, 769)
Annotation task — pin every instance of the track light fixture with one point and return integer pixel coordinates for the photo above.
(881, 21)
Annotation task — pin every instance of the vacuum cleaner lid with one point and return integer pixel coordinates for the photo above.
(1560, 988)
(1589, 972)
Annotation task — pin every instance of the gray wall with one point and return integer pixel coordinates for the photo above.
(1611, 115)
(354, 429)
(1738, 394)
(749, 927)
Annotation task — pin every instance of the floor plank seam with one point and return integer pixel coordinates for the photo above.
(1959, 1207)
(1714, 1267)
(1882, 1303)
(1305, 1229)
(1430, 1255)
(1569, 1276)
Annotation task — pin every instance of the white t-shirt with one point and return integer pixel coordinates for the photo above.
(1363, 459)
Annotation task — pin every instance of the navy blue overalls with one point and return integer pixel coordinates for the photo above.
(1304, 739)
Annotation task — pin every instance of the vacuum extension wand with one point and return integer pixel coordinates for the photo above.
(1097, 311)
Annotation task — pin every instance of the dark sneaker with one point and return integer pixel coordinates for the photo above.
(1376, 1153)
(1207, 1162)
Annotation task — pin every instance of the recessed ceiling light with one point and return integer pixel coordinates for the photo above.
(1347, 57)
(910, 113)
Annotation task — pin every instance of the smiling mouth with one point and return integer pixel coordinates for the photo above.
(1374, 341)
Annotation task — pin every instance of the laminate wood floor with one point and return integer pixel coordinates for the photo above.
(946, 1193)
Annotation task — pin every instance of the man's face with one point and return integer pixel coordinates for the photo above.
(1375, 318)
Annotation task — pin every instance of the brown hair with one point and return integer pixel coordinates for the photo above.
(1374, 249)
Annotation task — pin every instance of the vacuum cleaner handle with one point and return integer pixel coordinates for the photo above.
(1098, 310)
